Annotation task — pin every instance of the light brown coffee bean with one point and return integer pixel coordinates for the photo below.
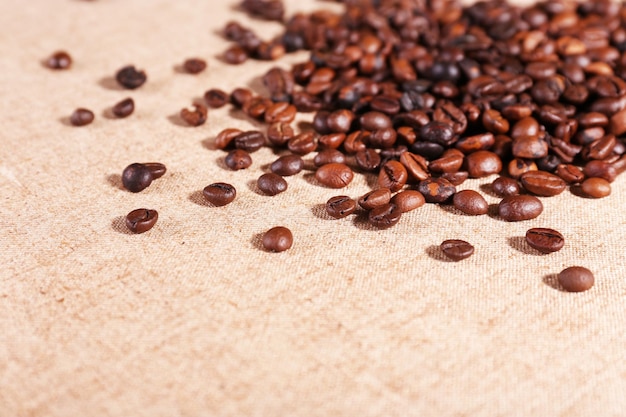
(334, 175)
(470, 202)
(542, 183)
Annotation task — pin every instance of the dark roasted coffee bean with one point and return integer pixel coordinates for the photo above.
(436, 190)
(542, 183)
(219, 194)
(280, 84)
(545, 240)
(392, 175)
(548, 163)
(141, 220)
(482, 164)
(438, 132)
(376, 198)
(256, 107)
(157, 169)
(277, 239)
(385, 216)
(375, 120)
(408, 200)
(428, 150)
(197, 117)
(235, 55)
(287, 165)
(504, 187)
(136, 177)
(519, 208)
(124, 108)
(482, 141)
(340, 121)
(596, 187)
(385, 104)
(457, 249)
(266, 9)
(382, 138)
(281, 112)
(59, 60)
(194, 65)
(240, 96)
(334, 175)
(250, 141)
(81, 117)
(302, 143)
(216, 98)
(600, 169)
(495, 122)
(368, 159)
(451, 115)
(238, 159)
(451, 161)
(130, 77)
(329, 156)
(279, 134)
(470, 202)
(455, 178)
(355, 142)
(576, 279)
(340, 206)
(271, 184)
(416, 165)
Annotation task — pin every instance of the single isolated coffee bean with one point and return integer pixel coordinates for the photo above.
(271, 184)
(277, 239)
(457, 249)
(545, 240)
(59, 60)
(197, 117)
(141, 220)
(576, 279)
(595, 187)
(340, 206)
(238, 159)
(136, 177)
(194, 65)
(505, 186)
(334, 175)
(124, 108)
(219, 193)
(81, 117)
(470, 202)
(408, 200)
(130, 77)
(385, 216)
(287, 165)
(519, 208)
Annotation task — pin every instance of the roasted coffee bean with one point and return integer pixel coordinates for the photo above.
(280, 84)
(355, 142)
(518, 166)
(408, 200)
(600, 169)
(219, 193)
(600, 149)
(250, 141)
(470, 202)
(279, 134)
(130, 77)
(375, 198)
(542, 183)
(334, 175)
(197, 117)
(216, 98)
(271, 184)
(438, 132)
(457, 249)
(385, 216)
(504, 187)
(332, 140)
(527, 126)
(545, 240)
(382, 138)
(375, 120)
(416, 165)
(455, 178)
(571, 174)
(446, 112)
(287, 165)
(482, 164)
(495, 122)
(141, 220)
(451, 161)
(392, 175)
(368, 159)
(529, 147)
(136, 177)
(385, 104)
(81, 117)
(240, 96)
(340, 206)
(469, 144)
(281, 112)
(194, 65)
(124, 108)
(157, 169)
(277, 239)
(235, 55)
(340, 121)
(436, 190)
(302, 143)
(618, 123)
(238, 159)
(520, 207)
(59, 60)
(548, 163)
(596, 187)
(576, 279)
(428, 150)
(225, 138)
(256, 107)
(329, 156)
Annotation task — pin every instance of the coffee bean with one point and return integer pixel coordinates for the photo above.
(455, 178)
(340, 121)
(529, 147)
(266, 9)
(542, 183)
(81, 117)
(216, 98)
(250, 141)
(576, 279)
(225, 138)
(141, 220)
(408, 200)
(436, 190)
(59, 60)
(451, 161)
(571, 174)
(495, 122)
(374, 120)
(544, 240)
(482, 164)
(334, 175)
(456, 249)
(329, 156)
(219, 193)
(385, 216)
(157, 169)
(517, 167)
(600, 169)
(302, 143)
(527, 126)
(438, 132)
(271, 184)
(392, 175)
(130, 77)
(474, 143)
(124, 108)
(194, 65)
(340, 206)
(287, 165)
(238, 159)
(136, 177)
(368, 159)
(375, 198)
(596, 187)
(279, 134)
(197, 117)
(277, 239)
(520, 207)
(504, 187)
(281, 112)
(280, 84)
(235, 55)
(470, 202)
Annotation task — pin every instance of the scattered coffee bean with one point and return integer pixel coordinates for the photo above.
(131, 78)
(194, 65)
(277, 239)
(250, 141)
(238, 159)
(216, 98)
(81, 117)
(436, 190)
(520, 207)
(157, 169)
(287, 165)
(334, 175)
(235, 55)
(219, 194)
(408, 200)
(545, 240)
(576, 279)
(375, 198)
(141, 220)
(271, 184)
(340, 206)
(124, 108)
(197, 117)
(504, 187)
(542, 183)
(482, 164)
(470, 202)
(456, 249)
(329, 156)
(59, 60)
(393, 175)
(136, 177)
(596, 187)
(385, 216)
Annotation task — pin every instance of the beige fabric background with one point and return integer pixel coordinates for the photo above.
(194, 319)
